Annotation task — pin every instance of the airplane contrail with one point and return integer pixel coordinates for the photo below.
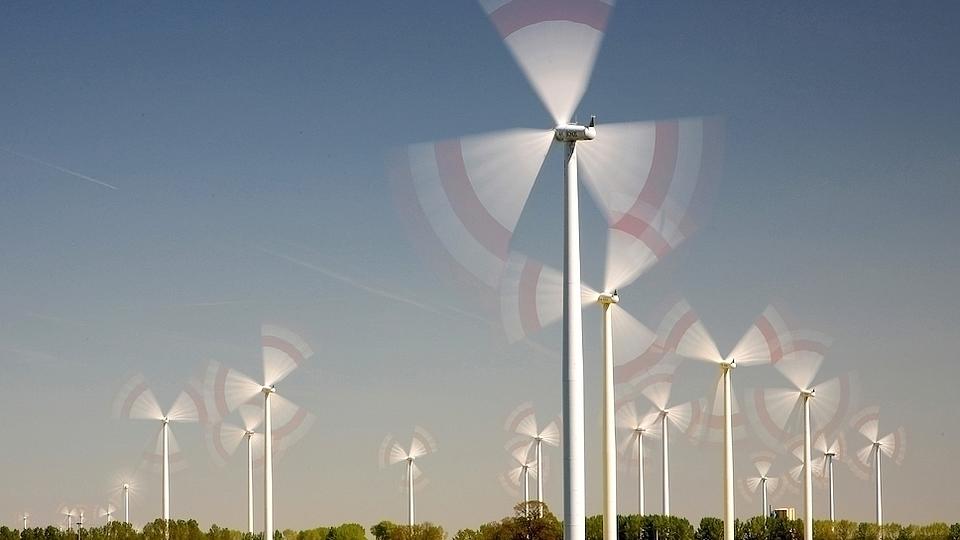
(61, 169)
(373, 290)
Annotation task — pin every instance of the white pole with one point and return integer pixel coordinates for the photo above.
(540, 476)
(640, 467)
(126, 503)
(526, 487)
(574, 512)
(24, 525)
(830, 473)
(763, 496)
(728, 518)
(609, 427)
(665, 451)
(876, 447)
(410, 509)
(267, 466)
(166, 471)
(807, 472)
(250, 482)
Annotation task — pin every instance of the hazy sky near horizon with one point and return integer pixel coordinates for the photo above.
(164, 167)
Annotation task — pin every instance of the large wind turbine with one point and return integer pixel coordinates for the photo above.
(829, 452)
(107, 512)
(892, 445)
(68, 514)
(136, 401)
(392, 452)
(640, 427)
(827, 402)
(468, 193)
(283, 351)
(523, 420)
(767, 484)
(759, 345)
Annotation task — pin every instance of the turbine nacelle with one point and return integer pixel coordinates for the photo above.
(271, 389)
(609, 298)
(575, 132)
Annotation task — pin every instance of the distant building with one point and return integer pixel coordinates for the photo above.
(785, 513)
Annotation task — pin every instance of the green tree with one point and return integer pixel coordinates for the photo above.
(347, 531)
(380, 531)
(711, 528)
(6, 533)
(593, 528)
(955, 531)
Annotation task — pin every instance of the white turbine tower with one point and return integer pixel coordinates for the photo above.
(137, 402)
(122, 485)
(639, 428)
(392, 452)
(823, 405)
(759, 345)
(766, 484)
(68, 515)
(523, 421)
(23, 518)
(829, 452)
(469, 193)
(224, 438)
(892, 445)
(283, 351)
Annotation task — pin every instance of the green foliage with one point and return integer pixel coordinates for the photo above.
(347, 531)
(955, 531)
(6, 533)
(710, 529)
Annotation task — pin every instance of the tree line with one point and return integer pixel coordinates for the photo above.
(530, 521)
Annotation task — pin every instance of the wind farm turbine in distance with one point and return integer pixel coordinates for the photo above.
(224, 438)
(829, 452)
(822, 405)
(471, 191)
(282, 352)
(107, 512)
(767, 485)
(522, 467)
(891, 445)
(523, 421)
(759, 345)
(137, 402)
(638, 427)
(393, 452)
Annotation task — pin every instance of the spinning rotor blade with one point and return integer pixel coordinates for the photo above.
(185, 408)
(228, 389)
(283, 351)
(653, 182)
(223, 439)
(136, 401)
(551, 434)
(775, 413)
(832, 403)
(522, 420)
(762, 462)
(555, 42)
(762, 343)
(422, 444)
(802, 356)
(686, 336)
(867, 423)
(290, 422)
(153, 456)
(520, 450)
(469, 194)
(631, 339)
(894, 445)
(710, 428)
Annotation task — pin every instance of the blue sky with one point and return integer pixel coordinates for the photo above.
(233, 133)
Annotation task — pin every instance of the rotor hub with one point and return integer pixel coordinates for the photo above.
(608, 298)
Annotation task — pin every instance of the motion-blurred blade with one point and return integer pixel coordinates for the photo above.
(832, 403)
(471, 191)
(762, 462)
(283, 351)
(551, 434)
(866, 422)
(531, 296)
(422, 443)
(762, 343)
(555, 42)
(774, 414)
(227, 389)
(684, 334)
(386, 456)
(631, 337)
(520, 450)
(136, 401)
(290, 422)
(185, 408)
(522, 420)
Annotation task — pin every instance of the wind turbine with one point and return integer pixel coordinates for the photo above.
(892, 445)
(522, 467)
(23, 518)
(827, 403)
(391, 453)
(122, 485)
(282, 351)
(137, 402)
(639, 426)
(523, 420)
(767, 484)
(468, 193)
(69, 514)
(759, 345)
(829, 452)
(107, 512)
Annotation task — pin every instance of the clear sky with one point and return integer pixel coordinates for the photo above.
(162, 164)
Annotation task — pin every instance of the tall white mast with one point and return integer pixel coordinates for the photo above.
(166, 471)
(807, 470)
(728, 517)
(267, 464)
(410, 509)
(249, 482)
(829, 457)
(665, 450)
(640, 468)
(609, 421)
